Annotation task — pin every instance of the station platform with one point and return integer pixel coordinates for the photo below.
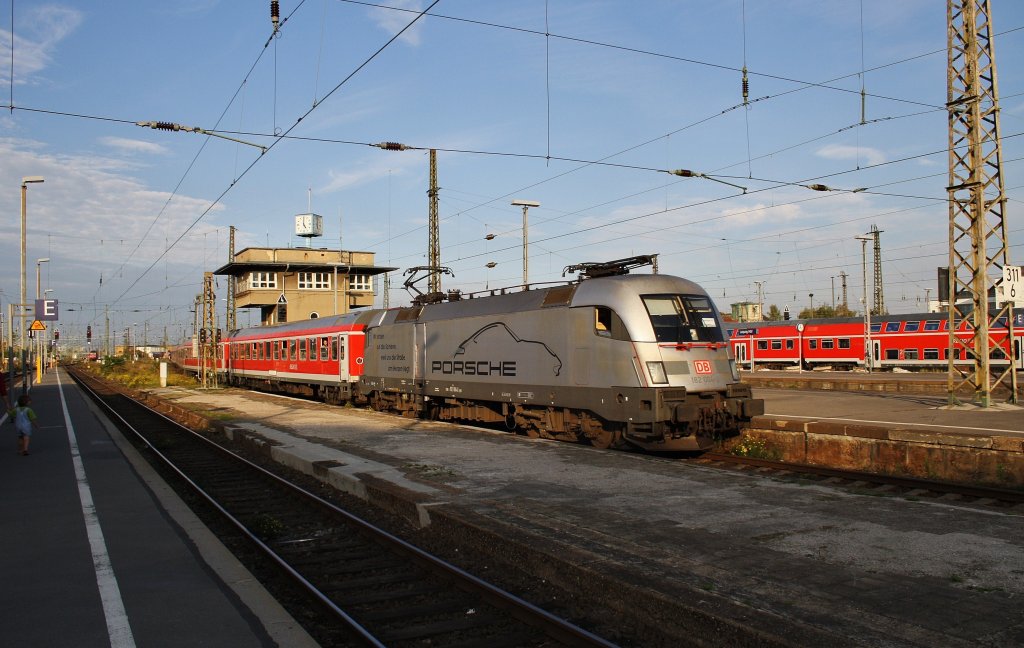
(801, 564)
(96, 551)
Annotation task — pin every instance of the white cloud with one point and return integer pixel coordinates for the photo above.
(132, 145)
(393, 21)
(845, 152)
(39, 31)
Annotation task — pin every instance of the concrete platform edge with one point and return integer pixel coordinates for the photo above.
(278, 623)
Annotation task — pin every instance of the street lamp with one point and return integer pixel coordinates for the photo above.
(864, 300)
(25, 182)
(525, 204)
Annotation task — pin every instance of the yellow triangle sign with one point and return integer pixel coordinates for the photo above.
(37, 326)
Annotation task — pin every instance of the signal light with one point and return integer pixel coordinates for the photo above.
(56, 335)
(88, 333)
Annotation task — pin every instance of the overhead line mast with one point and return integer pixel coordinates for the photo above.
(978, 247)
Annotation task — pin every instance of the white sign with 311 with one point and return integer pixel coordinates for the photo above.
(1012, 287)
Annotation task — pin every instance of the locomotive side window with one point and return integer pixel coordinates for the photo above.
(603, 321)
(683, 318)
(608, 324)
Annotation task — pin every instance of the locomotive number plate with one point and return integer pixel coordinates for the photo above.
(702, 366)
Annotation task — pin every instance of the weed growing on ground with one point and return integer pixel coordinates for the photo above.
(755, 448)
(141, 374)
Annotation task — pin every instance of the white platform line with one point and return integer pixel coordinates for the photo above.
(897, 423)
(118, 628)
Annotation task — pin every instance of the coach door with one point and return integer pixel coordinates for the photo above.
(1018, 352)
(876, 353)
(340, 353)
(741, 354)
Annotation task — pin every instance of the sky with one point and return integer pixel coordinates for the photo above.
(582, 106)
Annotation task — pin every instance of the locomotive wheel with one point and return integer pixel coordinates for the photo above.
(606, 438)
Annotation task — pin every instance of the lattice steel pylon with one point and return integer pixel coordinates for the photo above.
(208, 339)
(977, 233)
(434, 242)
(879, 297)
(231, 316)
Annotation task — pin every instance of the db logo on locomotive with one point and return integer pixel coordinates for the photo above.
(702, 366)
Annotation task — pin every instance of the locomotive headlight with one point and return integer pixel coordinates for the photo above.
(735, 372)
(657, 372)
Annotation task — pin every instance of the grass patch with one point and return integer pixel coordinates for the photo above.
(141, 374)
(755, 447)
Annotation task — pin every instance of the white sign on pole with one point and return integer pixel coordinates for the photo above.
(1012, 288)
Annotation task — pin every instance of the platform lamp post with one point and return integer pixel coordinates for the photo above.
(525, 204)
(25, 182)
(39, 340)
(868, 356)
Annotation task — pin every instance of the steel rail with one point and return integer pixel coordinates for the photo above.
(551, 625)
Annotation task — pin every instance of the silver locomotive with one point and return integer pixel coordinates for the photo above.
(614, 358)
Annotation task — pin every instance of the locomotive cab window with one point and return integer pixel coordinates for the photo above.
(608, 324)
(683, 318)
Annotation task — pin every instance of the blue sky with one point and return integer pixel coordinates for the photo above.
(583, 121)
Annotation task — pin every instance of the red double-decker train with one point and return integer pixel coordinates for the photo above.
(913, 342)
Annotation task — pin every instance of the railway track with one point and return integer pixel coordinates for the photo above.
(367, 586)
(873, 483)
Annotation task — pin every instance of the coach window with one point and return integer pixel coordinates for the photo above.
(266, 350)
(892, 354)
(812, 344)
(789, 345)
(311, 343)
(912, 327)
(762, 345)
(277, 350)
(931, 325)
(876, 327)
(302, 348)
(776, 345)
(997, 353)
(910, 354)
(828, 343)
(931, 354)
(892, 327)
(334, 348)
(844, 343)
(292, 346)
(324, 349)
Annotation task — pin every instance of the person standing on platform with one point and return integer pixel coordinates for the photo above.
(3, 390)
(24, 420)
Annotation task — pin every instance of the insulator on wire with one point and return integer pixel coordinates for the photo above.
(275, 13)
(746, 85)
(686, 173)
(392, 146)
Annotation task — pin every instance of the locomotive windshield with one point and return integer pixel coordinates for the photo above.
(683, 318)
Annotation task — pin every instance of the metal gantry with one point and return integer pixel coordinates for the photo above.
(434, 242)
(977, 233)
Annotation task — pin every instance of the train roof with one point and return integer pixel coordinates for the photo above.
(919, 317)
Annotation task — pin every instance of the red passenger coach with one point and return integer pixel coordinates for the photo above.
(321, 358)
(911, 342)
